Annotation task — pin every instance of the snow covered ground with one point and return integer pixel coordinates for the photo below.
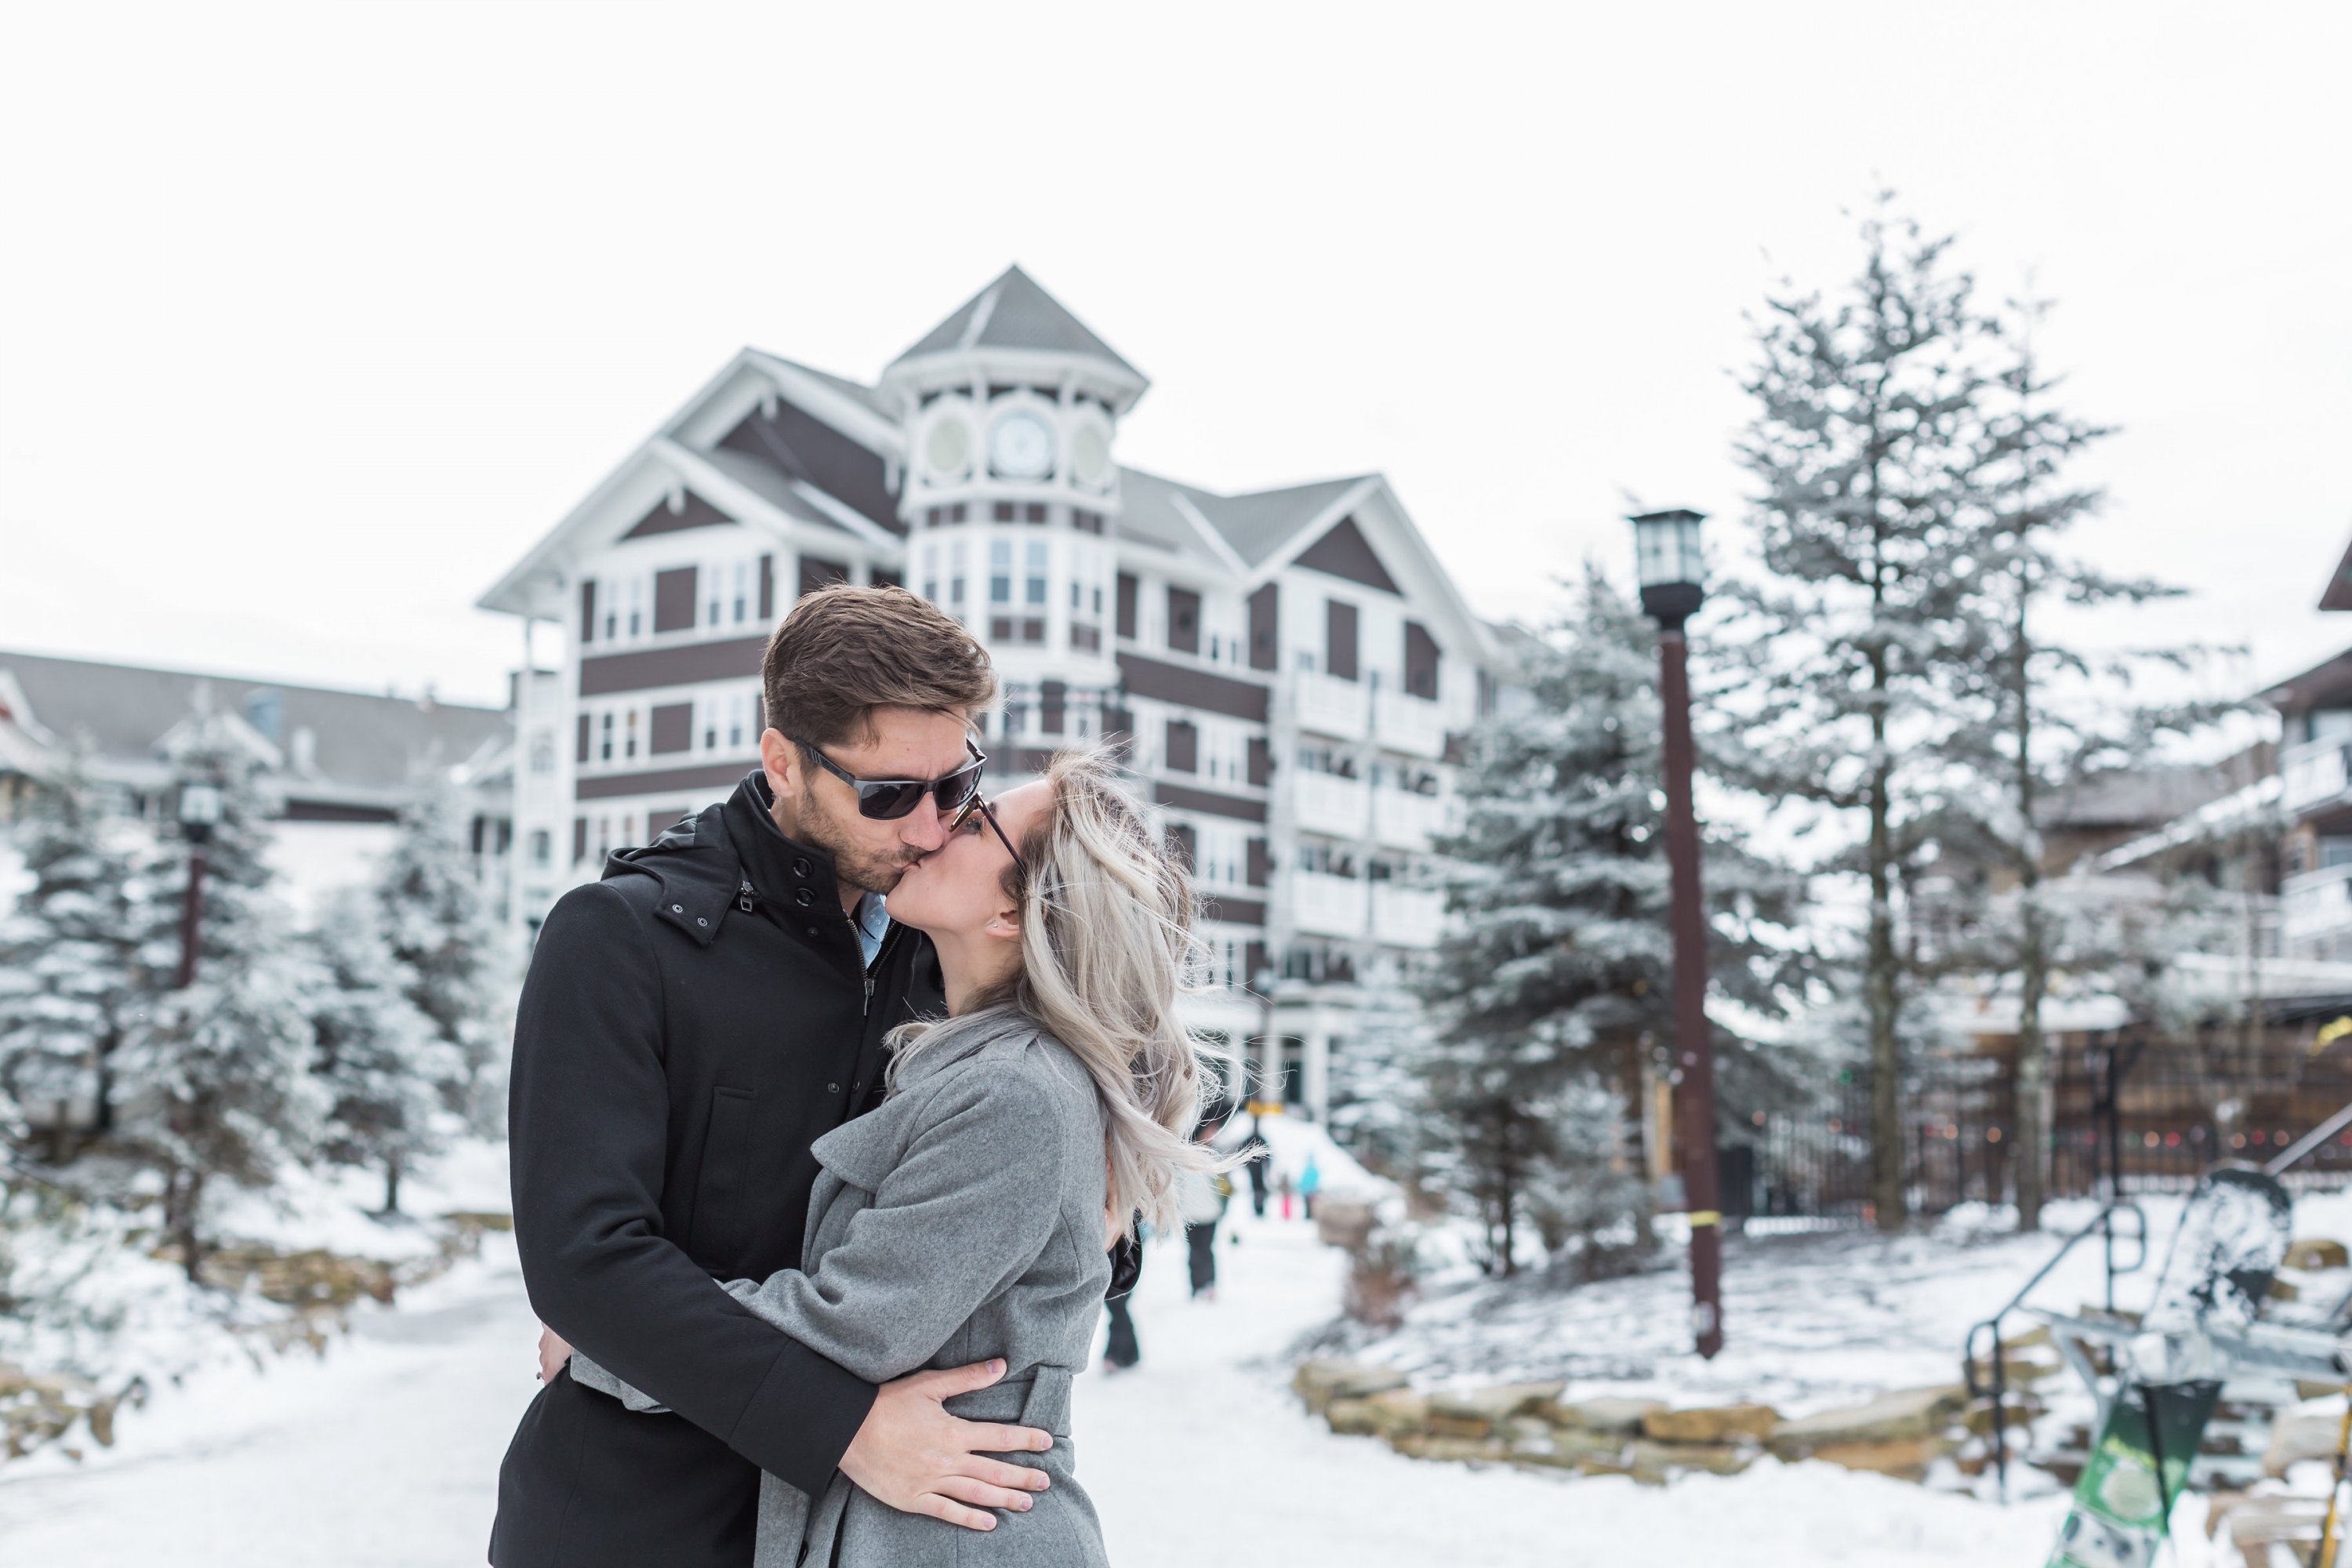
(385, 1455)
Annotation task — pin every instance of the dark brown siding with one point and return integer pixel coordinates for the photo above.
(767, 587)
(588, 610)
(800, 444)
(673, 599)
(581, 754)
(1346, 552)
(685, 666)
(710, 775)
(1194, 688)
(1183, 620)
(1261, 761)
(1184, 798)
(816, 572)
(1125, 625)
(1183, 749)
(579, 840)
(1184, 842)
(698, 513)
(1420, 661)
(1258, 870)
(1256, 960)
(883, 578)
(1266, 624)
(1053, 706)
(337, 811)
(673, 728)
(661, 820)
(1233, 911)
(1339, 639)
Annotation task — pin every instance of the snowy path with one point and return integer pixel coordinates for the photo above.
(385, 1456)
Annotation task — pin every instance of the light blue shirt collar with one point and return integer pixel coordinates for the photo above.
(873, 921)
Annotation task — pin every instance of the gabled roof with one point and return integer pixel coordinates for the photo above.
(882, 403)
(1259, 524)
(2338, 596)
(359, 741)
(1014, 312)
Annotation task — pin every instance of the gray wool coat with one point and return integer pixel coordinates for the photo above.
(962, 1220)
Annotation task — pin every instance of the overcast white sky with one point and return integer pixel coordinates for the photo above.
(313, 318)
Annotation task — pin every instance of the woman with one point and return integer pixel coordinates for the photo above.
(965, 1219)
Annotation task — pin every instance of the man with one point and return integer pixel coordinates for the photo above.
(689, 1025)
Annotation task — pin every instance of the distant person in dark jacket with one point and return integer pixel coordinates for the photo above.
(1203, 1197)
(1255, 1149)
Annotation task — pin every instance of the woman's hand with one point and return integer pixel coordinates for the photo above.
(552, 1353)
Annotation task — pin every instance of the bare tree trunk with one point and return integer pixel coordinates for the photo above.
(392, 1185)
(2032, 1077)
(1879, 985)
(183, 1193)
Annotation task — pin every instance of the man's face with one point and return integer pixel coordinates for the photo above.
(815, 808)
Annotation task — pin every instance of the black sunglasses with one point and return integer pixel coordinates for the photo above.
(976, 806)
(886, 800)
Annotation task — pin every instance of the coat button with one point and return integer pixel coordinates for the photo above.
(833, 1089)
(677, 909)
(799, 867)
(812, 931)
(804, 898)
(700, 920)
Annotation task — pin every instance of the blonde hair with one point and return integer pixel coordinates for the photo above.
(1107, 942)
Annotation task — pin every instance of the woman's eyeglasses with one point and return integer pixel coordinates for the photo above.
(978, 807)
(886, 800)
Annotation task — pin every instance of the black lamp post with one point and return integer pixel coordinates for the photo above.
(200, 812)
(1673, 576)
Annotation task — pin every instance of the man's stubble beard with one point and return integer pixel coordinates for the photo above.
(853, 863)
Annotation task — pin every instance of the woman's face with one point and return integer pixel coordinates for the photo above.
(959, 888)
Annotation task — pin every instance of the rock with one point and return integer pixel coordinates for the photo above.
(101, 1422)
(1352, 1417)
(1653, 1463)
(2284, 1290)
(1480, 1411)
(1319, 1383)
(2308, 1433)
(2018, 1410)
(479, 1219)
(1343, 1225)
(1904, 1458)
(1399, 1412)
(1906, 1413)
(1711, 1425)
(2319, 1252)
(1624, 1415)
(1427, 1446)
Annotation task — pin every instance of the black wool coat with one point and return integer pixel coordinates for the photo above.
(689, 1025)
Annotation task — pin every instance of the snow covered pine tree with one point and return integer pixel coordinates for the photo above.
(1557, 978)
(1866, 439)
(216, 1083)
(68, 986)
(384, 1066)
(431, 915)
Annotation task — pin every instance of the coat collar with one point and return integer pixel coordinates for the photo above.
(725, 858)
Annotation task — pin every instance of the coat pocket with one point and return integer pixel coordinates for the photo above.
(721, 1228)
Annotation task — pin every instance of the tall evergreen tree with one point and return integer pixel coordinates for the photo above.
(1866, 443)
(1556, 988)
(216, 1083)
(2039, 715)
(432, 916)
(70, 988)
(385, 1067)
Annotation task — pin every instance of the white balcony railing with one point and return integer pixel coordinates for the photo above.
(1327, 906)
(1413, 725)
(1328, 803)
(1326, 705)
(1402, 820)
(1406, 917)
(2316, 773)
(2316, 904)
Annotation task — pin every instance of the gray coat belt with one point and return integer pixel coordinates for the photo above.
(960, 1221)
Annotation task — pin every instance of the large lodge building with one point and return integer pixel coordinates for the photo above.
(1289, 670)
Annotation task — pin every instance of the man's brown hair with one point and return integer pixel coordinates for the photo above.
(845, 651)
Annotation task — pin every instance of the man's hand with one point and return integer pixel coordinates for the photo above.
(552, 1353)
(915, 1457)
